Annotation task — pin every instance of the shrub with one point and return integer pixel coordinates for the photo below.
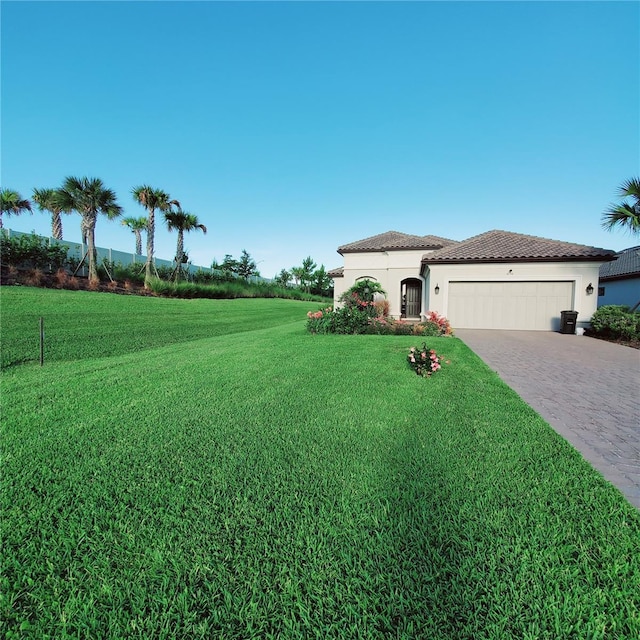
(424, 361)
(33, 252)
(433, 325)
(616, 321)
(381, 308)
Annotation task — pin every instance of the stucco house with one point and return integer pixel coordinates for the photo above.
(495, 280)
(620, 279)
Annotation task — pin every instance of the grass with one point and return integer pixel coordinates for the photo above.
(274, 484)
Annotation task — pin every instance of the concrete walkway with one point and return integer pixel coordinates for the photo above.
(588, 390)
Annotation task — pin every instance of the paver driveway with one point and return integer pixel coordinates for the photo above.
(588, 390)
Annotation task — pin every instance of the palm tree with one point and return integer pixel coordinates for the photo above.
(152, 199)
(47, 200)
(137, 225)
(182, 221)
(625, 215)
(89, 197)
(13, 204)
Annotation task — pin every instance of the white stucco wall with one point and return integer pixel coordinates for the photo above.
(389, 268)
(580, 273)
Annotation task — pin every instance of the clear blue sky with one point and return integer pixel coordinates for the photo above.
(292, 128)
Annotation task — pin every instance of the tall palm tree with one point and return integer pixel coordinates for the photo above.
(47, 200)
(89, 197)
(13, 203)
(137, 225)
(152, 199)
(625, 215)
(182, 221)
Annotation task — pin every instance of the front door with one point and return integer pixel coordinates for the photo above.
(412, 295)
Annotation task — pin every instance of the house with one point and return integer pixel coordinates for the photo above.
(620, 279)
(495, 280)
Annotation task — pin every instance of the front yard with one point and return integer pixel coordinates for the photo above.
(271, 483)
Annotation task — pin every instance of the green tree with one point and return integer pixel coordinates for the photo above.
(89, 197)
(152, 199)
(625, 215)
(47, 200)
(229, 266)
(321, 283)
(182, 221)
(297, 273)
(283, 278)
(306, 275)
(13, 203)
(247, 266)
(137, 226)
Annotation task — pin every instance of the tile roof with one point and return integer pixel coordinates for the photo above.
(626, 264)
(338, 272)
(394, 241)
(505, 246)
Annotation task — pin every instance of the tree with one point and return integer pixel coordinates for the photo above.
(297, 273)
(247, 266)
(229, 266)
(88, 197)
(152, 199)
(137, 225)
(306, 273)
(625, 215)
(13, 204)
(47, 200)
(283, 278)
(182, 221)
(321, 282)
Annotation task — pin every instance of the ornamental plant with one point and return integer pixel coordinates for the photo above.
(424, 361)
(433, 325)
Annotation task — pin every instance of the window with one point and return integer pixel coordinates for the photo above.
(600, 291)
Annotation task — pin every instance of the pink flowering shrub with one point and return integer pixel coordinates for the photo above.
(433, 325)
(320, 321)
(424, 361)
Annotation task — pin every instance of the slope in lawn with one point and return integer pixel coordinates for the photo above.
(83, 324)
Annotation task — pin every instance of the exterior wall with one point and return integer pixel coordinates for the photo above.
(389, 268)
(580, 273)
(625, 291)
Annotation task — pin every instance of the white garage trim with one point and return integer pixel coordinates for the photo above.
(525, 305)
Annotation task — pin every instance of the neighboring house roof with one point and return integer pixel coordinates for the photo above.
(505, 246)
(626, 265)
(395, 241)
(338, 272)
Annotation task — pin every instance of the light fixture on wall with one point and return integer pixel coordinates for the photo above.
(437, 289)
(589, 289)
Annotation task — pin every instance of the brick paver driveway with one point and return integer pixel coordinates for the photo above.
(588, 390)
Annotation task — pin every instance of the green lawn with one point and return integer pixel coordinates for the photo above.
(240, 478)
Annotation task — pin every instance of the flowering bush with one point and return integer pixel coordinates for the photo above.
(425, 362)
(319, 321)
(433, 325)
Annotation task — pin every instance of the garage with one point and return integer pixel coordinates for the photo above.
(526, 305)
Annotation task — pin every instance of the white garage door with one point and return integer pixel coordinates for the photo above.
(508, 305)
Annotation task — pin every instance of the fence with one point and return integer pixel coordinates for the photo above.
(77, 250)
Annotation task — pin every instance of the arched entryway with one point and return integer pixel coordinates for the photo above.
(410, 298)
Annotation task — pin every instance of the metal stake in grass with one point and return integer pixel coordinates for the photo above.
(41, 341)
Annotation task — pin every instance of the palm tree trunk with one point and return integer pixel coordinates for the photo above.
(56, 225)
(138, 241)
(151, 224)
(90, 228)
(179, 252)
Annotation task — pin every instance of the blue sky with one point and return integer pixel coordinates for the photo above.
(290, 128)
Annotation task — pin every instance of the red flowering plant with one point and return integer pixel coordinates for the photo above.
(320, 321)
(425, 362)
(433, 325)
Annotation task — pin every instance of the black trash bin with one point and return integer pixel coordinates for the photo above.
(568, 321)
